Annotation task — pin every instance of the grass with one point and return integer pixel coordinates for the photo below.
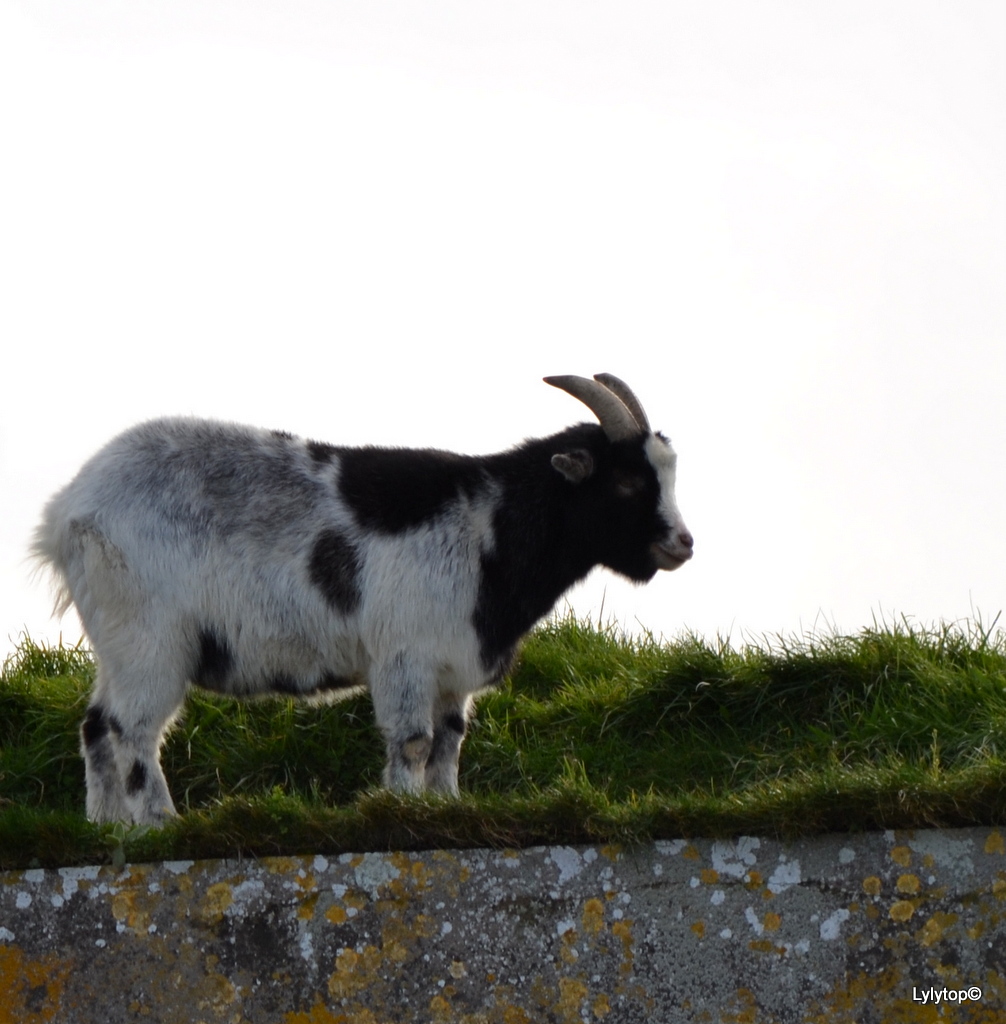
(597, 737)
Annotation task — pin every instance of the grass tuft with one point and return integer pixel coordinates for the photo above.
(597, 737)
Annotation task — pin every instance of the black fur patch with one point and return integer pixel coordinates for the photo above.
(94, 732)
(330, 682)
(137, 778)
(549, 534)
(454, 721)
(394, 489)
(321, 452)
(214, 662)
(289, 687)
(286, 685)
(334, 569)
(443, 744)
(94, 728)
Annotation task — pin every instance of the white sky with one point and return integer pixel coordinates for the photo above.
(782, 222)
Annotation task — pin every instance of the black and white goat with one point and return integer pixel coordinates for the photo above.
(248, 561)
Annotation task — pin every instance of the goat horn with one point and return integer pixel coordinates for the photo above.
(614, 416)
(624, 392)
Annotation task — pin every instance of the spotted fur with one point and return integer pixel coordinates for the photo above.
(249, 561)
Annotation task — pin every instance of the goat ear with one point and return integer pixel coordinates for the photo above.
(575, 466)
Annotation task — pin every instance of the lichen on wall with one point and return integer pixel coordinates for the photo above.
(872, 928)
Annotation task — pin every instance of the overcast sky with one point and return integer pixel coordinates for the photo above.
(783, 223)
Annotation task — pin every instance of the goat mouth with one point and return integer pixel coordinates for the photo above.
(670, 556)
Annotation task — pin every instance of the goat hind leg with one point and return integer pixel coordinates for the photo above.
(106, 797)
(145, 787)
(139, 703)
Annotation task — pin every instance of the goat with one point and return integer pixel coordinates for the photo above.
(248, 561)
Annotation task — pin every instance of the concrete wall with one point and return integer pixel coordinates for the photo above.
(838, 928)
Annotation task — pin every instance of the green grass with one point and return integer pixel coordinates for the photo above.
(597, 737)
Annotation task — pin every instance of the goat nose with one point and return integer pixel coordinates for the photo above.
(685, 539)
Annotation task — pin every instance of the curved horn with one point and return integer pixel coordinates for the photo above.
(615, 418)
(624, 392)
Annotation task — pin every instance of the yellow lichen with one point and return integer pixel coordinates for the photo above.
(354, 971)
(355, 899)
(440, 1008)
(622, 930)
(336, 914)
(515, 1015)
(567, 953)
(282, 865)
(902, 856)
(908, 883)
(422, 877)
(215, 991)
(593, 916)
(305, 912)
(133, 905)
(902, 910)
(932, 931)
(318, 1014)
(994, 843)
(31, 991)
(397, 952)
(747, 1012)
(215, 903)
(572, 993)
(871, 885)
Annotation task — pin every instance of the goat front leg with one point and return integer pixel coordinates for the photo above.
(402, 691)
(450, 720)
